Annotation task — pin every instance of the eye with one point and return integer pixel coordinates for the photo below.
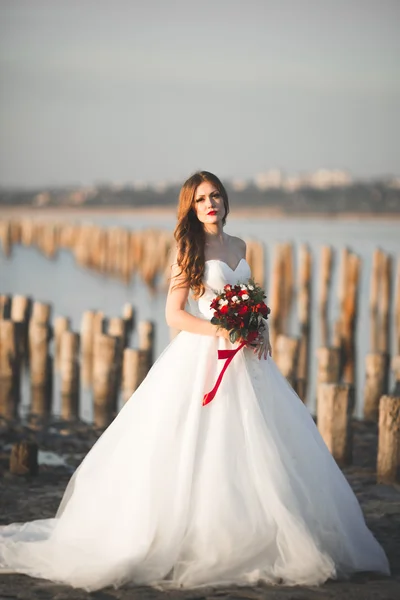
(216, 195)
(199, 200)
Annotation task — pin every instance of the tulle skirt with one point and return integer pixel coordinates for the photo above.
(183, 495)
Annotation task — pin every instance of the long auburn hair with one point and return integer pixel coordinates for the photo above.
(189, 232)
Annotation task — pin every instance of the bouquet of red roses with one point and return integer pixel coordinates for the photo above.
(240, 309)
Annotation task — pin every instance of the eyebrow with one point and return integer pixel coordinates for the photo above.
(202, 195)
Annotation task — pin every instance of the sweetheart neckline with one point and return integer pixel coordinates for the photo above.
(224, 263)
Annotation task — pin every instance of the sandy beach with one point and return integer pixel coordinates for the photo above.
(25, 498)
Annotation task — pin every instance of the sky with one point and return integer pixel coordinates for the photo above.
(124, 91)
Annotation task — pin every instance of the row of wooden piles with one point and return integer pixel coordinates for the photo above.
(113, 251)
(336, 354)
(99, 355)
(121, 252)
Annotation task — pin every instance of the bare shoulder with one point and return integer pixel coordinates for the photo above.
(238, 244)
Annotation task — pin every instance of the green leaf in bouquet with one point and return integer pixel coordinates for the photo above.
(215, 321)
(234, 335)
(253, 321)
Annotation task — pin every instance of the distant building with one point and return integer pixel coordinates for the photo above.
(42, 199)
(322, 179)
(394, 183)
(293, 183)
(325, 178)
(140, 186)
(272, 179)
(239, 185)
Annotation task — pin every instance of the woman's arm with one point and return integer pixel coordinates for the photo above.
(176, 315)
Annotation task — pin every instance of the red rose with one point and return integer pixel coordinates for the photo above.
(214, 304)
(243, 310)
(224, 309)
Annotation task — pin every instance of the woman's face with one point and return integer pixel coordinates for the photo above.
(209, 204)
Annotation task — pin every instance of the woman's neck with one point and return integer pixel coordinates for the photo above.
(215, 237)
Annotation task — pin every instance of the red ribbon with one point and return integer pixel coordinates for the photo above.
(228, 356)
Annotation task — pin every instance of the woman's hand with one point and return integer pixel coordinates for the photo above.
(262, 343)
(222, 332)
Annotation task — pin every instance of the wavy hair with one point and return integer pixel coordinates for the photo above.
(189, 232)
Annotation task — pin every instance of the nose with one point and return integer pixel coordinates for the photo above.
(210, 203)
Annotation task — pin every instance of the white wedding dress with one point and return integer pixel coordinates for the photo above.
(179, 494)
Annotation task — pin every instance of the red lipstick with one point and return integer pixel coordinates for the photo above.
(212, 212)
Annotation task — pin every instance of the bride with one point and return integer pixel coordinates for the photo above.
(179, 494)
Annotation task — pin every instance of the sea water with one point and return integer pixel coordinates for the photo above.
(72, 289)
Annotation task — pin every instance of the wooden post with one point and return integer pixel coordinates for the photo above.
(335, 407)
(254, 256)
(397, 310)
(86, 339)
(130, 372)
(87, 332)
(40, 368)
(9, 364)
(27, 232)
(24, 458)
(276, 295)
(39, 350)
(376, 383)
(21, 307)
(373, 299)
(91, 325)
(5, 306)
(304, 305)
(116, 327)
(338, 329)
(102, 250)
(5, 237)
(389, 439)
(69, 371)
(123, 255)
(61, 324)
(41, 312)
(144, 365)
(9, 370)
(104, 378)
(287, 285)
(384, 306)
(349, 322)
(328, 367)
(396, 372)
(128, 315)
(287, 351)
(15, 232)
(98, 322)
(325, 275)
(146, 340)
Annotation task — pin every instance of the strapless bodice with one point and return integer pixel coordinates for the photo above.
(217, 274)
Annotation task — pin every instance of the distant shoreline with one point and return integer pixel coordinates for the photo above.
(170, 211)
